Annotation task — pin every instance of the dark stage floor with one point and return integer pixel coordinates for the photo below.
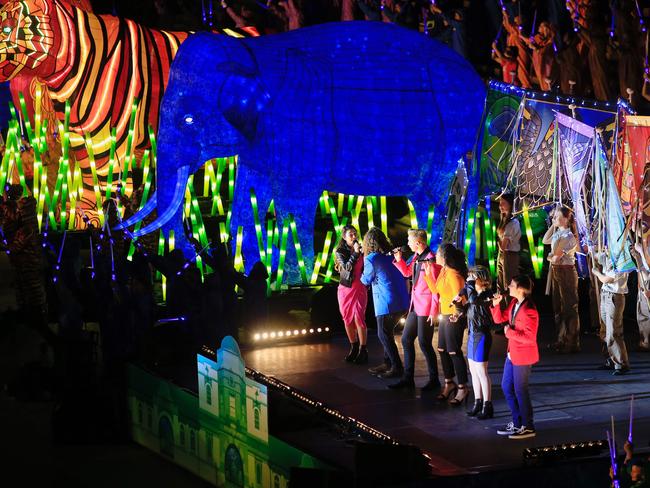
(573, 401)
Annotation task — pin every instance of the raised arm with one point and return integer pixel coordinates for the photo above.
(405, 268)
(431, 277)
(347, 262)
(548, 237)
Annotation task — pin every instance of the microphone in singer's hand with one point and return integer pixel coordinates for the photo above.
(402, 249)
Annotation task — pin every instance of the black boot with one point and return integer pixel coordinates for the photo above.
(476, 409)
(487, 412)
(362, 357)
(354, 352)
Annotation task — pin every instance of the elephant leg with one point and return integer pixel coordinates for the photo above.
(175, 227)
(422, 201)
(302, 207)
(243, 214)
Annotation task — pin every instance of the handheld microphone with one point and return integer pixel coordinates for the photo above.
(402, 249)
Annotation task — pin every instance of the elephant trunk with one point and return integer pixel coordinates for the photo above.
(169, 201)
(139, 215)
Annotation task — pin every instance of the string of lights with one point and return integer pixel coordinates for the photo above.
(550, 96)
(349, 424)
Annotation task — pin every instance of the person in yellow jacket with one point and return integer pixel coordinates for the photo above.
(448, 284)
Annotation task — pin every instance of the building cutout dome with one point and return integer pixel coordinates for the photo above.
(230, 344)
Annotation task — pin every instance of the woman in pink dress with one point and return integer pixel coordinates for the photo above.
(352, 294)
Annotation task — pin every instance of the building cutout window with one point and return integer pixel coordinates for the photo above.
(182, 435)
(192, 440)
(208, 446)
(140, 414)
(276, 481)
(150, 417)
(256, 414)
(258, 472)
(208, 393)
(233, 410)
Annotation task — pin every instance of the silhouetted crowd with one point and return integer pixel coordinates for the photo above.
(587, 48)
(93, 299)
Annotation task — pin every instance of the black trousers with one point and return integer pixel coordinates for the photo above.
(450, 340)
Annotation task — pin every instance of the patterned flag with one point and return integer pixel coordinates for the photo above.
(614, 220)
(632, 176)
(576, 145)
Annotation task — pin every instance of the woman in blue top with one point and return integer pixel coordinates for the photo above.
(389, 295)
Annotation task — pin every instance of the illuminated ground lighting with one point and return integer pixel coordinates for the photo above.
(280, 334)
(402, 320)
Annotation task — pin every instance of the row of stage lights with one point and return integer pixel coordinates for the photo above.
(560, 451)
(286, 334)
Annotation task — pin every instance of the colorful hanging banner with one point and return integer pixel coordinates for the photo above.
(576, 145)
(614, 221)
(632, 176)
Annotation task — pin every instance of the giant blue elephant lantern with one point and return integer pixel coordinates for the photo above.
(361, 108)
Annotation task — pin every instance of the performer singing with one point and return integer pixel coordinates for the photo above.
(523, 321)
(389, 296)
(423, 311)
(352, 294)
(450, 335)
(474, 300)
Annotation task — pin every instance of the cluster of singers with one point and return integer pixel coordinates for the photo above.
(446, 294)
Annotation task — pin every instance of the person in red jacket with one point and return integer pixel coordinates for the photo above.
(523, 321)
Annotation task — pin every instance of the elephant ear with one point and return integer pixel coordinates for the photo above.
(242, 98)
(301, 115)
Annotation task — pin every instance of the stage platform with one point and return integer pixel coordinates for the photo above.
(573, 401)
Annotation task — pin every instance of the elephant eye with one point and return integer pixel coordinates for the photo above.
(188, 119)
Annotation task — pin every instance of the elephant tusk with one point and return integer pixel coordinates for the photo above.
(182, 175)
(139, 215)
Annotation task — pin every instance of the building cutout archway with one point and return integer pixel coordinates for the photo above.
(166, 436)
(234, 467)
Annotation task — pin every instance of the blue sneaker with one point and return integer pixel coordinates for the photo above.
(508, 429)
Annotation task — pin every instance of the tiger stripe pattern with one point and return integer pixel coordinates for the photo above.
(100, 64)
